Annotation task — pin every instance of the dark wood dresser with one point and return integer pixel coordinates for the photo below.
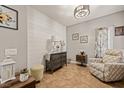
(56, 61)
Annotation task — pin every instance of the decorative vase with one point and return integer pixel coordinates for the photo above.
(24, 77)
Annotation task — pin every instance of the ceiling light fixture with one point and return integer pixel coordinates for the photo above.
(81, 10)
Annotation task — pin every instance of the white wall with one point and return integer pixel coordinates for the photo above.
(16, 39)
(88, 28)
(34, 30)
(40, 29)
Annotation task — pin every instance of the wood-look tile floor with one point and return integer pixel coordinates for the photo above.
(74, 76)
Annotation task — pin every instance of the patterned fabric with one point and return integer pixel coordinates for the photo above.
(111, 68)
(107, 71)
(95, 60)
(109, 58)
(113, 52)
(98, 66)
(113, 72)
(96, 73)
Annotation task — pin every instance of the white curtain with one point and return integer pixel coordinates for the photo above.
(111, 37)
(104, 40)
(101, 41)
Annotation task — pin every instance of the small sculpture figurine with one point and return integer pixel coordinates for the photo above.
(82, 53)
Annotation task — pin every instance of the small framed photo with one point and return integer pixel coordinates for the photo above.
(8, 17)
(75, 36)
(119, 31)
(84, 39)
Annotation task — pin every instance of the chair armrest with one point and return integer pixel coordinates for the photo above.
(119, 63)
(113, 71)
(113, 66)
(95, 60)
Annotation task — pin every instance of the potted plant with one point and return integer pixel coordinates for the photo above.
(24, 75)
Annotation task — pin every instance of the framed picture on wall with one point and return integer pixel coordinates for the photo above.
(8, 17)
(75, 36)
(84, 39)
(119, 31)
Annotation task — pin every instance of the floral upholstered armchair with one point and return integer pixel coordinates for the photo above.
(110, 67)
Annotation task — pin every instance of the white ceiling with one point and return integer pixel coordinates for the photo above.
(64, 13)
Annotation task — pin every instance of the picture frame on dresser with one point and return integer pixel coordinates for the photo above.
(8, 17)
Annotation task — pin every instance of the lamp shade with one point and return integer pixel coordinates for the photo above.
(81, 10)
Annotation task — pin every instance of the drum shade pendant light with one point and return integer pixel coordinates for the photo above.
(81, 11)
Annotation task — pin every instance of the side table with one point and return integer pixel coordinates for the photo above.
(82, 59)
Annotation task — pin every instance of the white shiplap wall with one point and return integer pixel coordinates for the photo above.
(40, 29)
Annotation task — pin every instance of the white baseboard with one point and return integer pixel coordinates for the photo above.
(74, 61)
